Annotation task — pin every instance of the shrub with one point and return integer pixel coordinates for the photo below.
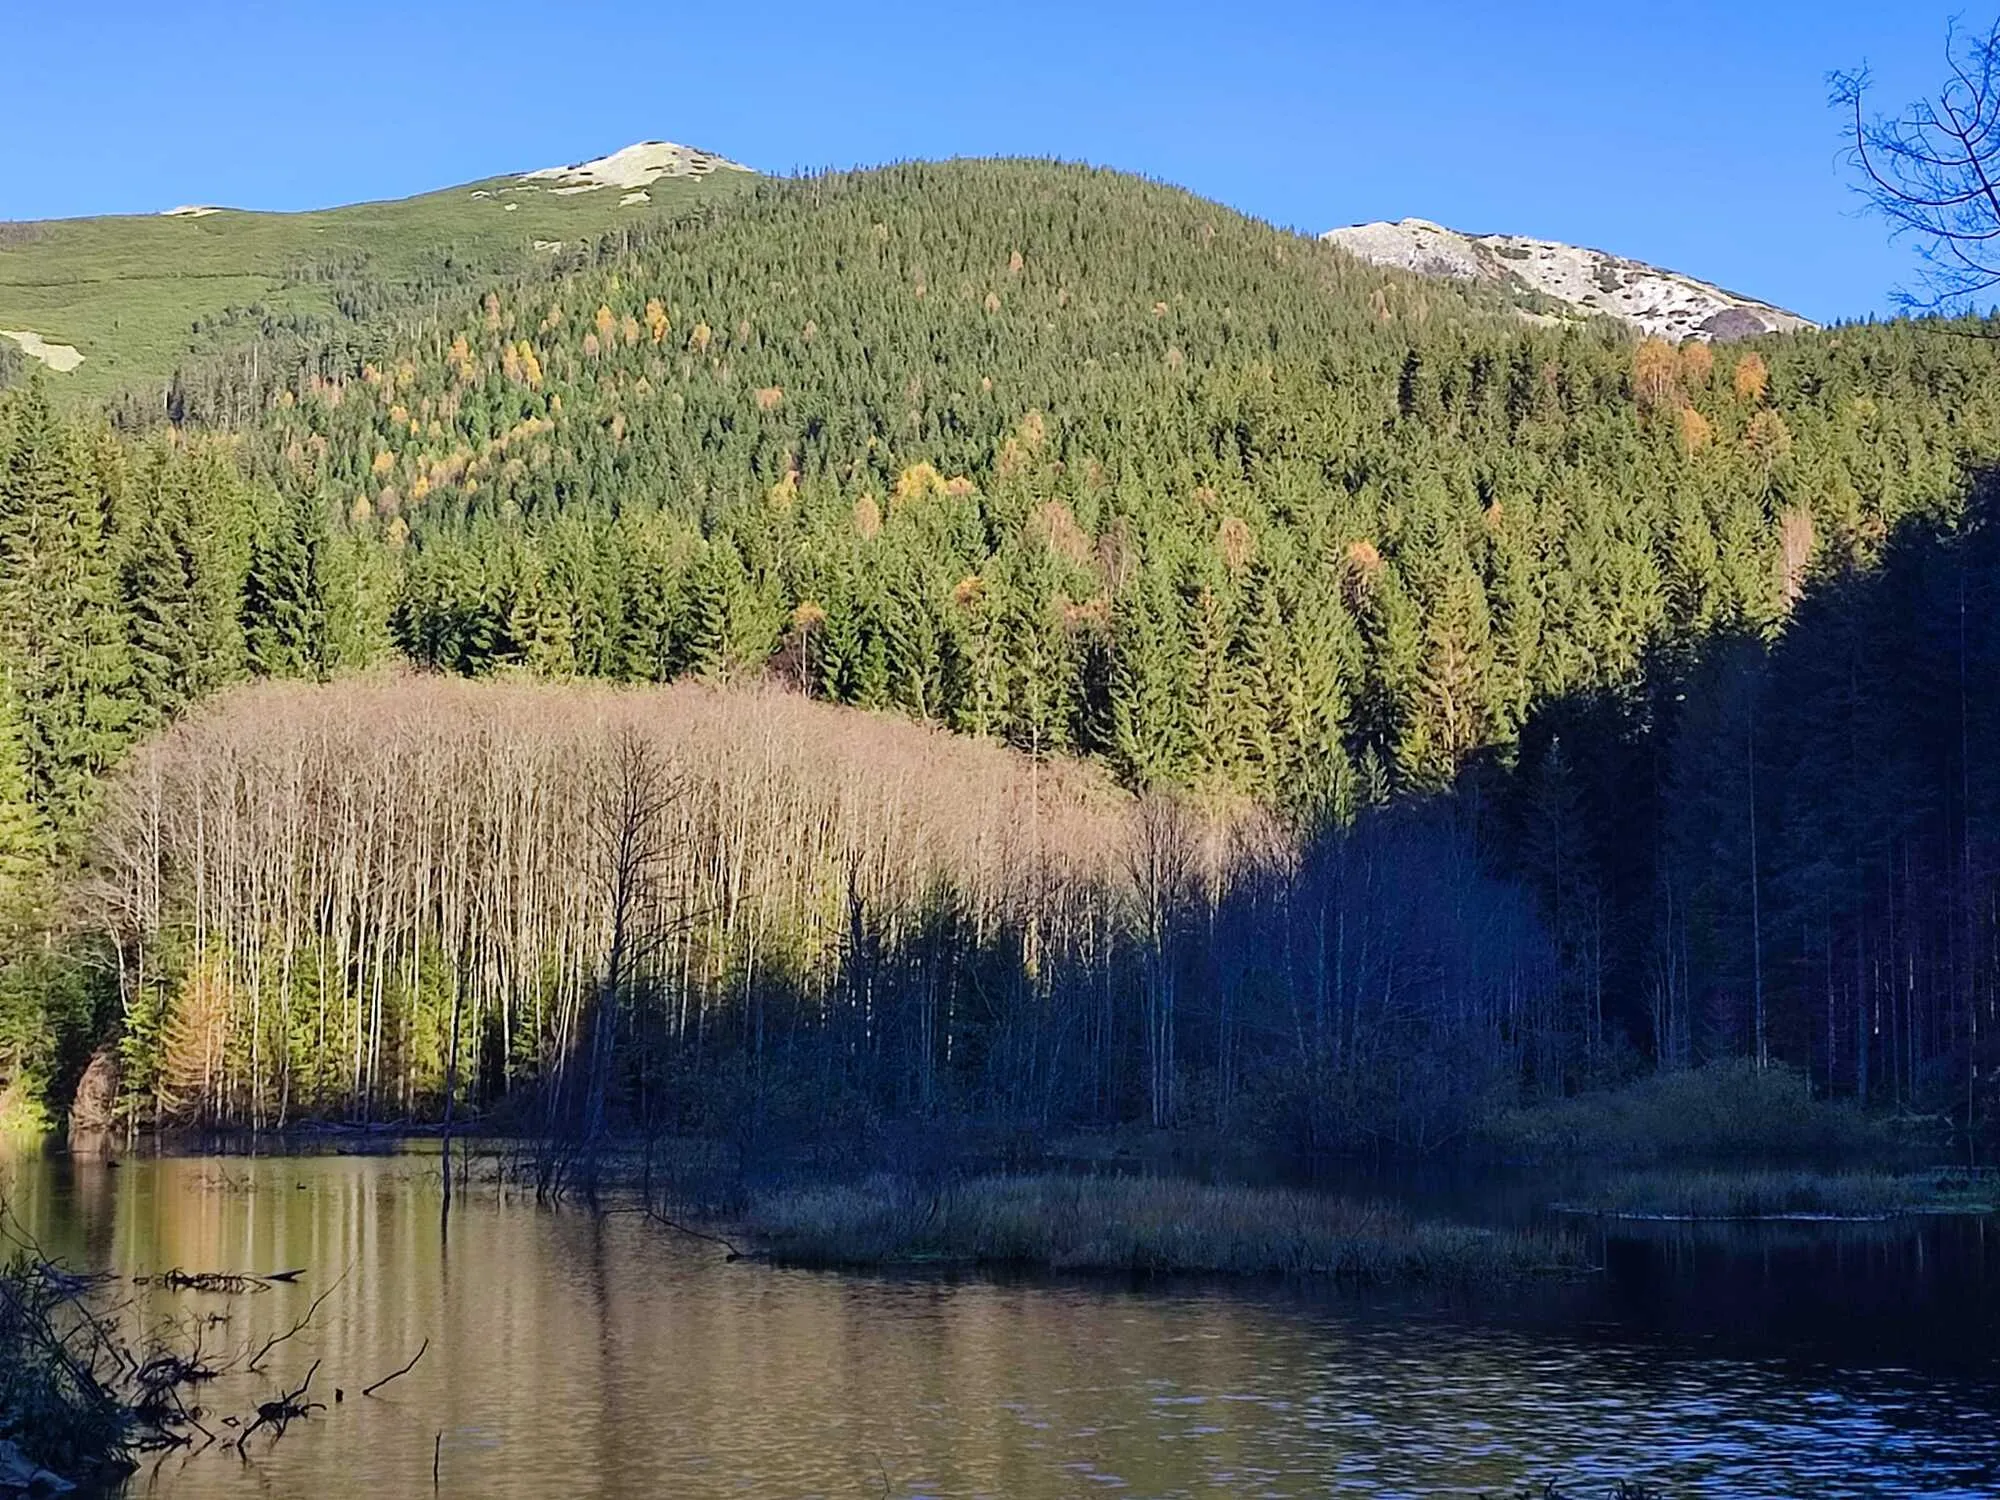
(58, 1410)
(1731, 1109)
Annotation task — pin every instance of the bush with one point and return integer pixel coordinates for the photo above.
(1731, 1109)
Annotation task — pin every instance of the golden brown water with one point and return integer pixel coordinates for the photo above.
(573, 1355)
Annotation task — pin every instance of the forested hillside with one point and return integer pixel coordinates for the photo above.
(1651, 686)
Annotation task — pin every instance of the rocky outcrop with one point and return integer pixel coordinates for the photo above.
(95, 1107)
(1569, 281)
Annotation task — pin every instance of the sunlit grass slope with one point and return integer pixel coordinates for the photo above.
(136, 294)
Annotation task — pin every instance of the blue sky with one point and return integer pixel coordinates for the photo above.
(1695, 135)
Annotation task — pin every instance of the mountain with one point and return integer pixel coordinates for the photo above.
(1579, 282)
(117, 302)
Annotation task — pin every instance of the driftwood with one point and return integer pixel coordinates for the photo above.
(281, 1413)
(687, 1229)
(224, 1283)
(298, 1327)
(395, 1374)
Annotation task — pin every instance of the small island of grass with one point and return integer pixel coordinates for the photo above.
(1127, 1224)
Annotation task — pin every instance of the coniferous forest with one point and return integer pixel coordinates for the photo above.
(1130, 664)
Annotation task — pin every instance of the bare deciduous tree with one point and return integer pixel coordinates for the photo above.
(1933, 171)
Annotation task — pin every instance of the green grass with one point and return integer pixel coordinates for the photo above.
(1124, 1224)
(1791, 1195)
(128, 290)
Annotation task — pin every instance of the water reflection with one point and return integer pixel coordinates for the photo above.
(576, 1355)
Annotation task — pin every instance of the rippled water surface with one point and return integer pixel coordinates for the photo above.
(598, 1356)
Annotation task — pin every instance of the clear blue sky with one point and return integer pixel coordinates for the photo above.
(1694, 135)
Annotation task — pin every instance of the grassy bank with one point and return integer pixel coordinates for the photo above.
(1791, 1195)
(1118, 1224)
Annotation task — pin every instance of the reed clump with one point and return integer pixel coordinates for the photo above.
(1129, 1224)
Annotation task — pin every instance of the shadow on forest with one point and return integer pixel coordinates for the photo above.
(1789, 849)
(1785, 850)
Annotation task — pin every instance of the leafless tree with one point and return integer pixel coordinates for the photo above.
(372, 898)
(1933, 171)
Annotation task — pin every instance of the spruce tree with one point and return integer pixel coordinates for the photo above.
(23, 834)
(61, 623)
(1148, 704)
(171, 662)
(284, 597)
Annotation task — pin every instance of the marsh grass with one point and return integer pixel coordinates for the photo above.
(1753, 1195)
(1129, 1224)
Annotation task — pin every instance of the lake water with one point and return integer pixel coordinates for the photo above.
(578, 1355)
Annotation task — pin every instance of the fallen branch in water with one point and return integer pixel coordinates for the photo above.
(372, 1389)
(299, 1327)
(226, 1283)
(282, 1412)
(687, 1229)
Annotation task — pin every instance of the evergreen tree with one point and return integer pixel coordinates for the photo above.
(23, 834)
(61, 626)
(285, 614)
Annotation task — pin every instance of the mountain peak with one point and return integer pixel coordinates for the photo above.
(1581, 282)
(632, 168)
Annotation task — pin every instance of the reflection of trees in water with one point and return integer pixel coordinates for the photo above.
(573, 1353)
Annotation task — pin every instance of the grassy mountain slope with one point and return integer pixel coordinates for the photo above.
(138, 294)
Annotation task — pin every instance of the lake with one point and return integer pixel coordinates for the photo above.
(579, 1355)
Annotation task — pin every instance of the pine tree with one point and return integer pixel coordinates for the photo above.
(1042, 698)
(1319, 783)
(285, 625)
(172, 662)
(1215, 710)
(1148, 725)
(61, 625)
(704, 613)
(23, 834)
